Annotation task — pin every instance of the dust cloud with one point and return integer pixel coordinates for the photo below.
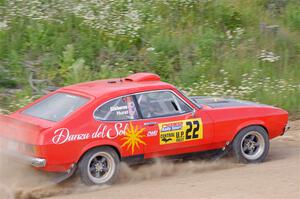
(18, 181)
(165, 168)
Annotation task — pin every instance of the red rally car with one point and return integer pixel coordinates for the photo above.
(91, 127)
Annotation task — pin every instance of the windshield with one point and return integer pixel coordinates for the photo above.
(56, 107)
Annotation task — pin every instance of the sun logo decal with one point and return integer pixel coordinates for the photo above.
(133, 138)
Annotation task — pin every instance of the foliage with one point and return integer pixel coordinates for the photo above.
(209, 47)
(293, 16)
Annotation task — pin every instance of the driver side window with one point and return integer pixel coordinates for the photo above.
(120, 109)
(161, 104)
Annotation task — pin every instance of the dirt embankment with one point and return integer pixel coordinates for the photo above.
(278, 177)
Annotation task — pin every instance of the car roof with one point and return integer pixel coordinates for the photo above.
(138, 82)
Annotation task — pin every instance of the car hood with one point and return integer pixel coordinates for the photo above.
(220, 102)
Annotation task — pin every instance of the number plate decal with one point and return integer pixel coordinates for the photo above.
(180, 131)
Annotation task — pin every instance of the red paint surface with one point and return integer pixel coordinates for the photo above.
(220, 125)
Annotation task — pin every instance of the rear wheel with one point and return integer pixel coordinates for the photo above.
(99, 166)
(251, 145)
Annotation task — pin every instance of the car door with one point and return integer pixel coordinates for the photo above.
(171, 124)
(119, 120)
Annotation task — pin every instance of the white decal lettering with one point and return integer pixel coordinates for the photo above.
(60, 136)
(63, 135)
(120, 129)
(152, 133)
(117, 108)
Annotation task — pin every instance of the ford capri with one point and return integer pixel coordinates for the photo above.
(91, 127)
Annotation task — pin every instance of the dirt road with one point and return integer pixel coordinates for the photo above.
(278, 177)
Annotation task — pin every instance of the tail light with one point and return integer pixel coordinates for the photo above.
(29, 148)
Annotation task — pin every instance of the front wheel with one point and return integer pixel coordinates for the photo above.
(251, 145)
(99, 166)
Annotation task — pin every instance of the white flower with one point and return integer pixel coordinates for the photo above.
(228, 34)
(150, 49)
(266, 56)
(3, 25)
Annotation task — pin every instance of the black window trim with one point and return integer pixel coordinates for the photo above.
(140, 116)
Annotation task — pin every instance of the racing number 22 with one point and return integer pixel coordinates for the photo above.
(192, 130)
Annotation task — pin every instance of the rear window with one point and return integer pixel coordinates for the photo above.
(56, 107)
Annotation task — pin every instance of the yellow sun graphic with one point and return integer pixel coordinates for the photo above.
(133, 138)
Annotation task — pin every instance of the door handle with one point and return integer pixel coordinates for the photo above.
(150, 123)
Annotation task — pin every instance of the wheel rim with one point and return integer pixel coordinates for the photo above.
(101, 167)
(252, 145)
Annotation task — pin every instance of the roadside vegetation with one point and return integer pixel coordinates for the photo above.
(248, 49)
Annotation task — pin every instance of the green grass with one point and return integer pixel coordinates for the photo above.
(186, 42)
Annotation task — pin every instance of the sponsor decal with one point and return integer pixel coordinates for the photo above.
(171, 126)
(181, 131)
(132, 135)
(152, 133)
(63, 135)
(133, 138)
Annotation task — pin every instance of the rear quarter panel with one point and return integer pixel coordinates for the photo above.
(65, 143)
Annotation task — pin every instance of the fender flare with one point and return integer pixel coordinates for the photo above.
(247, 124)
(98, 143)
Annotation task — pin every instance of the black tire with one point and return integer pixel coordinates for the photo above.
(99, 166)
(251, 145)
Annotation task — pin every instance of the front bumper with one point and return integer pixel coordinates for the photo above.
(33, 161)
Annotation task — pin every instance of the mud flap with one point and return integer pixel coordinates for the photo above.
(225, 151)
(66, 175)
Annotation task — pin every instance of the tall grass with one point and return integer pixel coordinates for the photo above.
(209, 47)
